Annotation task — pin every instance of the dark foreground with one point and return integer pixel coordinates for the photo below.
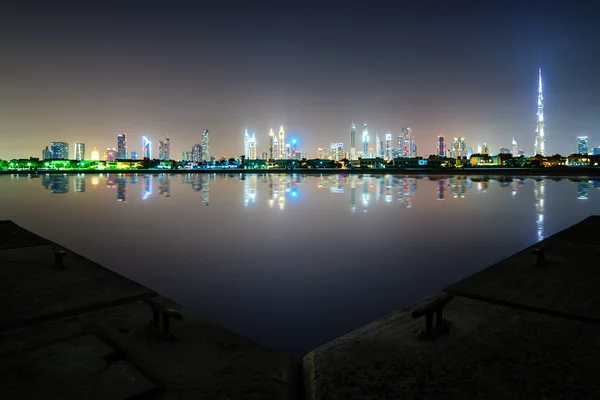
(526, 327)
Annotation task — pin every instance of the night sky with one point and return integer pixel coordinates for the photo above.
(85, 71)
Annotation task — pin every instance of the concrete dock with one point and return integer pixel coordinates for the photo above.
(527, 327)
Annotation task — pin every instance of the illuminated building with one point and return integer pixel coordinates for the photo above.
(596, 151)
(164, 149)
(46, 154)
(246, 144)
(95, 155)
(521, 153)
(265, 156)
(322, 153)
(288, 151)
(205, 146)
(485, 149)
(281, 143)
(441, 146)
(59, 150)
(413, 147)
(110, 154)
(515, 149)
(252, 147)
(408, 148)
(504, 150)
(540, 140)
(197, 153)
(459, 148)
(365, 153)
(336, 151)
(271, 144)
(134, 155)
(186, 156)
(378, 146)
(293, 148)
(275, 147)
(353, 141)
(582, 145)
(388, 146)
(79, 151)
(146, 148)
(122, 146)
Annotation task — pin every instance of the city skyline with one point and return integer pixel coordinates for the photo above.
(481, 84)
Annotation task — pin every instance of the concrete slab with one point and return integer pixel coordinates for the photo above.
(84, 367)
(491, 351)
(566, 284)
(34, 288)
(12, 235)
(206, 362)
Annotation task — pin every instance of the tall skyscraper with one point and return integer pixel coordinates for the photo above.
(388, 146)
(282, 155)
(271, 144)
(515, 149)
(59, 150)
(413, 146)
(95, 155)
(252, 147)
(322, 153)
(485, 149)
(79, 151)
(353, 141)
(46, 154)
(336, 152)
(441, 146)
(134, 155)
(582, 145)
(146, 148)
(164, 149)
(459, 148)
(122, 146)
(540, 140)
(365, 141)
(197, 153)
(276, 153)
(205, 146)
(407, 146)
(246, 144)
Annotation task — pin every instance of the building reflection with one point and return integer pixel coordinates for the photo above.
(164, 185)
(539, 193)
(147, 191)
(121, 188)
(80, 183)
(583, 189)
(441, 189)
(250, 186)
(56, 184)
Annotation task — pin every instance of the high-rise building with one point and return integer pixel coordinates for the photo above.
(459, 148)
(282, 154)
(205, 146)
(271, 144)
(365, 153)
(252, 148)
(246, 143)
(164, 149)
(540, 139)
(515, 149)
(122, 146)
(146, 148)
(441, 146)
(265, 156)
(596, 151)
(46, 154)
(79, 151)
(59, 150)
(336, 152)
(504, 150)
(413, 147)
(388, 146)
(485, 149)
(353, 141)
(197, 153)
(95, 155)
(407, 145)
(293, 148)
(134, 155)
(110, 154)
(276, 153)
(322, 153)
(582, 145)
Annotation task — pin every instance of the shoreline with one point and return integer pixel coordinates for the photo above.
(573, 171)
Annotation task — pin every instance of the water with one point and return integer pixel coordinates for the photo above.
(293, 261)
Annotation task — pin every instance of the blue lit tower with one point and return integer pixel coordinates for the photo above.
(540, 145)
(365, 142)
(582, 145)
(122, 146)
(441, 146)
(146, 148)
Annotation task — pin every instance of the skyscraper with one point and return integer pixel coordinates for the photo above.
(388, 146)
(459, 148)
(122, 146)
(353, 141)
(95, 155)
(246, 144)
(485, 149)
(336, 152)
(197, 153)
(59, 150)
(582, 145)
(540, 145)
(79, 151)
(205, 146)
(413, 146)
(252, 147)
(515, 149)
(441, 146)
(146, 148)
(281, 143)
(164, 149)
(365, 141)
(407, 146)
(271, 144)
(46, 154)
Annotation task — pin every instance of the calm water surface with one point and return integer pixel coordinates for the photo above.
(293, 261)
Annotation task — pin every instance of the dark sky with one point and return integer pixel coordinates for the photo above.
(85, 71)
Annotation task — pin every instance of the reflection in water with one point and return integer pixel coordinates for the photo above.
(147, 187)
(57, 184)
(539, 189)
(80, 183)
(441, 189)
(583, 190)
(164, 185)
(121, 188)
